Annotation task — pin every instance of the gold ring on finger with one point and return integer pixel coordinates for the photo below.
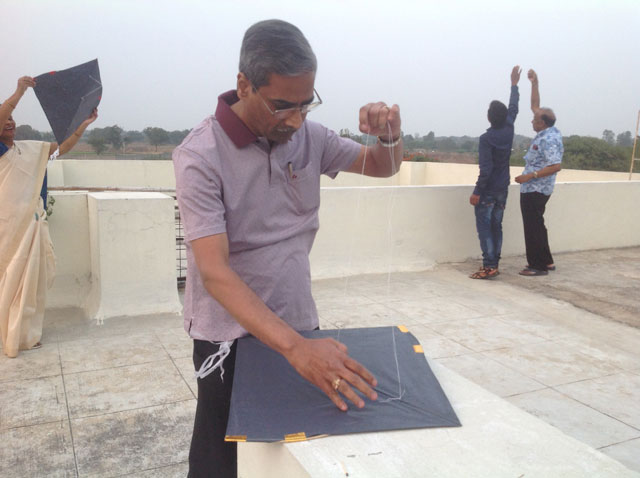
(336, 383)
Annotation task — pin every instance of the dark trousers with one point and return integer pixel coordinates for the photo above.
(210, 455)
(536, 240)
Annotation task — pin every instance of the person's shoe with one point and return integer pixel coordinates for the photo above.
(36, 346)
(529, 272)
(485, 273)
(550, 267)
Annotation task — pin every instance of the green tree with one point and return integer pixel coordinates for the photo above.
(156, 136)
(446, 144)
(26, 132)
(134, 136)
(584, 152)
(97, 141)
(624, 139)
(176, 137)
(113, 136)
(468, 145)
(609, 136)
(429, 141)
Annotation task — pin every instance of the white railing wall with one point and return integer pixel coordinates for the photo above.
(362, 230)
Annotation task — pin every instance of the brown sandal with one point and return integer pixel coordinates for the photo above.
(485, 273)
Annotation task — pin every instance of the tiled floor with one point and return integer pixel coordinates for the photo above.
(118, 399)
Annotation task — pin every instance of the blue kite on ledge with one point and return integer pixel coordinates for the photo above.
(69, 96)
(271, 402)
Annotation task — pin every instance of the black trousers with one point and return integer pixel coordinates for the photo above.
(532, 206)
(210, 455)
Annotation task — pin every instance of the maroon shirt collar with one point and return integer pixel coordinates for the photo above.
(237, 131)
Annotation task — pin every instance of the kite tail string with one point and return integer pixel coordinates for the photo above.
(210, 364)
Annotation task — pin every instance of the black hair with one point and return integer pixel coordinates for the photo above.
(275, 46)
(497, 114)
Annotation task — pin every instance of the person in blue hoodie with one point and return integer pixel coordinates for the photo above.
(489, 197)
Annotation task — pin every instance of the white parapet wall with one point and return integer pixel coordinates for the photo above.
(158, 175)
(115, 253)
(382, 229)
(112, 173)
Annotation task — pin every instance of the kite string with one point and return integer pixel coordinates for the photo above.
(395, 355)
(389, 215)
(400, 393)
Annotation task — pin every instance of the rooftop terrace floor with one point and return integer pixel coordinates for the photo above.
(118, 399)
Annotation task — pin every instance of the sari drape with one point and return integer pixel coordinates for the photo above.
(27, 262)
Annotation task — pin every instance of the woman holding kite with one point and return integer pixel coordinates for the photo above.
(27, 262)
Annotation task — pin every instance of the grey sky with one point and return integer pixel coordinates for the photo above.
(163, 63)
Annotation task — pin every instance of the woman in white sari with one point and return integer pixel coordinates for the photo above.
(27, 262)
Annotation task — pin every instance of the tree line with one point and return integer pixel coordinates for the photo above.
(610, 153)
(111, 137)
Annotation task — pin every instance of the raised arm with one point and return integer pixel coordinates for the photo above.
(385, 157)
(68, 144)
(514, 97)
(7, 107)
(535, 93)
(320, 361)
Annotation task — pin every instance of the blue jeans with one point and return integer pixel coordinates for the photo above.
(489, 213)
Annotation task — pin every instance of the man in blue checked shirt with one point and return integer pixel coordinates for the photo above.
(542, 163)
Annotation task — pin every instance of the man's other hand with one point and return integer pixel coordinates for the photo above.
(326, 364)
(524, 178)
(374, 118)
(533, 77)
(515, 75)
(474, 199)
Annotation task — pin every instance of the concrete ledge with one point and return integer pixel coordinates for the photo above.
(132, 255)
(496, 440)
(69, 228)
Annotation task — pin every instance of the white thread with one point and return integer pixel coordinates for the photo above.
(395, 355)
(355, 218)
(209, 365)
(390, 244)
(390, 213)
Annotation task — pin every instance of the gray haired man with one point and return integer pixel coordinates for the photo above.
(248, 187)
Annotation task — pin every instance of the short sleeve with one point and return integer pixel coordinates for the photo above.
(199, 193)
(339, 153)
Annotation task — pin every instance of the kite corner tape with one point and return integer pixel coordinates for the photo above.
(403, 328)
(294, 437)
(236, 438)
(418, 349)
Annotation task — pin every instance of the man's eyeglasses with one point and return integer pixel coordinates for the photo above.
(286, 112)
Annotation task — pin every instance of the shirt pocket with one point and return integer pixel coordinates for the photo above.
(303, 189)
